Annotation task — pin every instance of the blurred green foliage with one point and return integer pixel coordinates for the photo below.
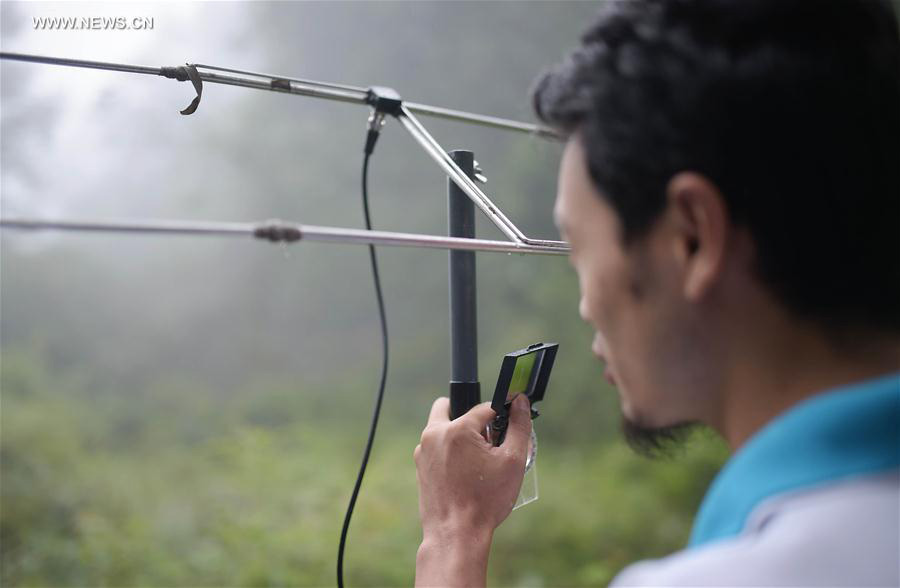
(184, 489)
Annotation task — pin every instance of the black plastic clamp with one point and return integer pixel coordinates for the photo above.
(384, 99)
(183, 73)
(277, 231)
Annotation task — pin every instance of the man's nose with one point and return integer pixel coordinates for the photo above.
(583, 310)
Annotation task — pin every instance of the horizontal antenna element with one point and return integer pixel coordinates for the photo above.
(277, 231)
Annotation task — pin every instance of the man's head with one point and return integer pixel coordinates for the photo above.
(727, 157)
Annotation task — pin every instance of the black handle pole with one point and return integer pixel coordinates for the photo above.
(465, 390)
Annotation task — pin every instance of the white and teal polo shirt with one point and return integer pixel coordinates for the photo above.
(812, 499)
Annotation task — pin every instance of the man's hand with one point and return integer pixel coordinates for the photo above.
(467, 487)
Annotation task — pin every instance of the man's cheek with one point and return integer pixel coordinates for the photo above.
(600, 306)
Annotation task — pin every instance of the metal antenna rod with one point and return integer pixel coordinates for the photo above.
(141, 69)
(278, 231)
(467, 185)
(303, 87)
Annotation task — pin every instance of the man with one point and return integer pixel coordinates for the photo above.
(730, 187)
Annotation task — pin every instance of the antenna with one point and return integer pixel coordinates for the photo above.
(382, 99)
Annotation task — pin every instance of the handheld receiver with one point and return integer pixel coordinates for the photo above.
(527, 372)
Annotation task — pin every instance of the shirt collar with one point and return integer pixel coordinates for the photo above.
(842, 432)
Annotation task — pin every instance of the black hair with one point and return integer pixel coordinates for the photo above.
(791, 107)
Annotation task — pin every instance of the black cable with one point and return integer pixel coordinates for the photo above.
(384, 368)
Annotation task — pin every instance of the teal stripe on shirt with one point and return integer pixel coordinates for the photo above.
(848, 431)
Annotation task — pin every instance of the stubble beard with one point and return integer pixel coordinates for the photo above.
(656, 442)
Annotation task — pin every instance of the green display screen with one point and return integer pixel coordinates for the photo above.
(521, 375)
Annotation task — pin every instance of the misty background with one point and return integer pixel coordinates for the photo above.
(192, 411)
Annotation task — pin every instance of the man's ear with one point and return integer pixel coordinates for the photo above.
(701, 224)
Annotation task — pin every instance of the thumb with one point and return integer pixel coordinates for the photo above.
(518, 432)
(478, 417)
